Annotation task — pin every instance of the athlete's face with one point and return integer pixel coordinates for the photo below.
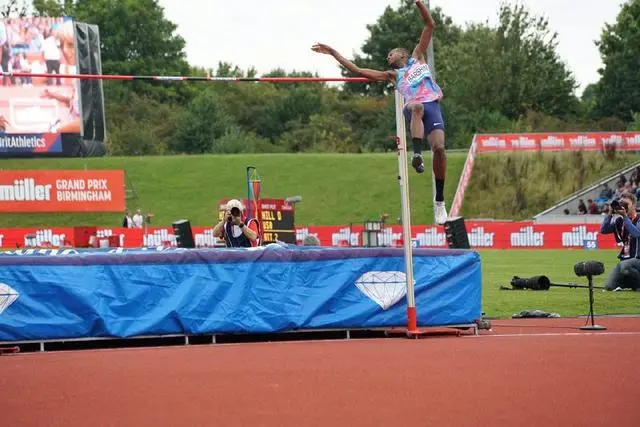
(396, 58)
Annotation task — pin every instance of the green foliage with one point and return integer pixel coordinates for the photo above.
(618, 92)
(533, 93)
(519, 186)
(635, 124)
(141, 126)
(203, 122)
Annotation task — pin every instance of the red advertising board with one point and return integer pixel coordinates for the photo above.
(62, 191)
(482, 235)
(558, 141)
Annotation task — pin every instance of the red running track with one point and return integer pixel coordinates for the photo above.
(562, 377)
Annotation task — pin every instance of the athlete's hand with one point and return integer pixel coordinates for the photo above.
(3, 123)
(46, 94)
(322, 48)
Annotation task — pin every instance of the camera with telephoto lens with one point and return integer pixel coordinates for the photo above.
(618, 204)
(235, 211)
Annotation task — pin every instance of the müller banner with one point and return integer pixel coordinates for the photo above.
(62, 191)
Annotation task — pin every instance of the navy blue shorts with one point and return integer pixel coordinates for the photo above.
(431, 118)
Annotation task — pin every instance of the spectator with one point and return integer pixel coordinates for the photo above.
(582, 208)
(25, 67)
(310, 240)
(635, 175)
(127, 222)
(626, 232)
(619, 190)
(606, 193)
(622, 180)
(593, 208)
(138, 219)
(606, 209)
(51, 53)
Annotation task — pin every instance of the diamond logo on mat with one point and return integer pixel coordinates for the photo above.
(7, 296)
(385, 288)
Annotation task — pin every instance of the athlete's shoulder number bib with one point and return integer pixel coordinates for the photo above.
(418, 73)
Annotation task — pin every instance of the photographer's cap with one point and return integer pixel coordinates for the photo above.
(235, 203)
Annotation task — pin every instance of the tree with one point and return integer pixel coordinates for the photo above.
(511, 69)
(533, 75)
(618, 91)
(204, 121)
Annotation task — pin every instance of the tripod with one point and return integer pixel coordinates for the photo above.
(593, 326)
(590, 269)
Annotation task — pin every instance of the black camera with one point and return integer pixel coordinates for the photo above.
(617, 204)
(235, 211)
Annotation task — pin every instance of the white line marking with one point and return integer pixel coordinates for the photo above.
(557, 334)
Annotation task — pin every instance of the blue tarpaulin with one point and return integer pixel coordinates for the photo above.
(125, 293)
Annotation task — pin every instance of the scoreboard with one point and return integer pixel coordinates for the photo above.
(276, 218)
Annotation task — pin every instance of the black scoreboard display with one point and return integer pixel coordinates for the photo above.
(276, 218)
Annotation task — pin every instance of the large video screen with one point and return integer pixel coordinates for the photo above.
(34, 112)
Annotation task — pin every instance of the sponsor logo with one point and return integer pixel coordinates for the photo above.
(389, 238)
(158, 238)
(523, 142)
(633, 140)
(206, 239)
(45, 237)
(344, 237)
(480, 238)
(25, 190)
(526, 237)
(583, 142)
(7, 296)
(577, 236)
(385, 288)
(552, 142)
(31, 142)
(494, 142)
(613, 141)
(431, 238)
(107, 232)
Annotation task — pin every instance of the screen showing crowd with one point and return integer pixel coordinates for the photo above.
(37, 105)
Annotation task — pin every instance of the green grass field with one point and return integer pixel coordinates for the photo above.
(336, 189)
(499, 266)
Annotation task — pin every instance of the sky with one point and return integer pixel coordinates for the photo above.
(270, 34)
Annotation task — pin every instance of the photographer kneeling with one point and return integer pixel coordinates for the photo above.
(627, 273)
(236, 232)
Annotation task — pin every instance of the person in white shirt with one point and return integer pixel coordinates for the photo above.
(138, 219)
(52, 55)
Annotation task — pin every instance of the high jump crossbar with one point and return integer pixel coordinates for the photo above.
(401, 142)
(190, 78)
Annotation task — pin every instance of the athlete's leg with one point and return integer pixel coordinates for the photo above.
(415, 115)
(436, 140)
(434, 127)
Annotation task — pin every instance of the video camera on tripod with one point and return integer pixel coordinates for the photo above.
(587, 269)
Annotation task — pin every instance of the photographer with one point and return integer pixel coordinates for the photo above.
(626, 231)
(236, 232)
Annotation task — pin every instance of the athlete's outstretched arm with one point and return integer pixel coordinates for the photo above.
(366, 72)
(427, 33)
